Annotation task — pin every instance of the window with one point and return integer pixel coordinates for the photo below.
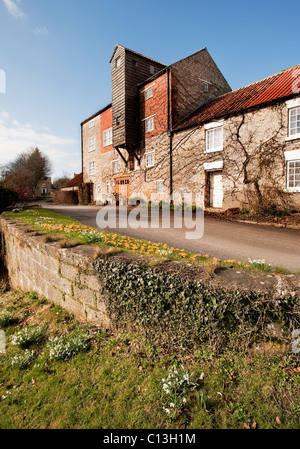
(108, 187)
(92, 168)
(160, 186)
(148, 93)
(92, 144)
(134, 63)
(214, 137)
(99, 189)
(118, 120)
(205, 87)
(118, 62)
(152, 69)
(107, 137)
(91, 123)
(149, 124)
(294, 122)
(116, 166)
(150, 160)
(293, 175)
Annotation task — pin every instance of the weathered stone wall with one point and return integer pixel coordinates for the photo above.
(69, 278)
(261, 132)
(65, 276)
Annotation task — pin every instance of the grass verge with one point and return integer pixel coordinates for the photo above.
(118, 380)
(64, 227)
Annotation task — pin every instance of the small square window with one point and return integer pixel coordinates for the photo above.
(150, 161)
(148, 93)
(118, 121)
(294, 122)
(205, 87)
(91, 124)
(92, 144)
(152, 70)
(116, 166)
(99, 189)
(160, 187)
(92, 168)
(149, 124)
(214, 139)
(118, 62)
(134, 63)
(293, 175)
(107, 137)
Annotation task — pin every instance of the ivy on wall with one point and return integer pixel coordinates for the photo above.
(181, 314)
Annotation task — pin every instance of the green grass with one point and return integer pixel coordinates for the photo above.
(116, 382)
(72, 232)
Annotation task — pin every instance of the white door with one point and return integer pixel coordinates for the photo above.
(216, 190)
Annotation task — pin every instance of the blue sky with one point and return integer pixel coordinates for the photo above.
(56, 57)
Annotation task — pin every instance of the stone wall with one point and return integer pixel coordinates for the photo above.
(64, 276)
(68, 277)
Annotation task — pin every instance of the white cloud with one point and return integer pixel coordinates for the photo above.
(16, 137)
(13, 9)
(41, 31)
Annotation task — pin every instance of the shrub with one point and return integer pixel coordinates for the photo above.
(28, 336)
(8, 198)
(23, 359)
(67, 347)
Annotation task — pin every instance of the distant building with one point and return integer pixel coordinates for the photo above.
(45, 187)
(74, 183)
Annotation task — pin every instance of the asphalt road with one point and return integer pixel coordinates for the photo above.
(221, 239)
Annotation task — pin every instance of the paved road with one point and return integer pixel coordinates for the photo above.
(224, 240)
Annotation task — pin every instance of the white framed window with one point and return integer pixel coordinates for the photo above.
(91, 123)
(108, 187)
(293, 175)
(99, 188)
(214, 137)
(160, 186)
(149, 124)
(150, 160)
(136, 164)
(116, 166)
(92, 144)
(293, 107)
(294, 122)
(107, 137)
(148, 93)
(152, 69)
(92, 168)
(118, 62)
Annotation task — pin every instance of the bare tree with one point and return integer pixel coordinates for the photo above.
(24, 174)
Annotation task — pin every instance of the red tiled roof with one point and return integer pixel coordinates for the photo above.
(74, 182)
(269, 89)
